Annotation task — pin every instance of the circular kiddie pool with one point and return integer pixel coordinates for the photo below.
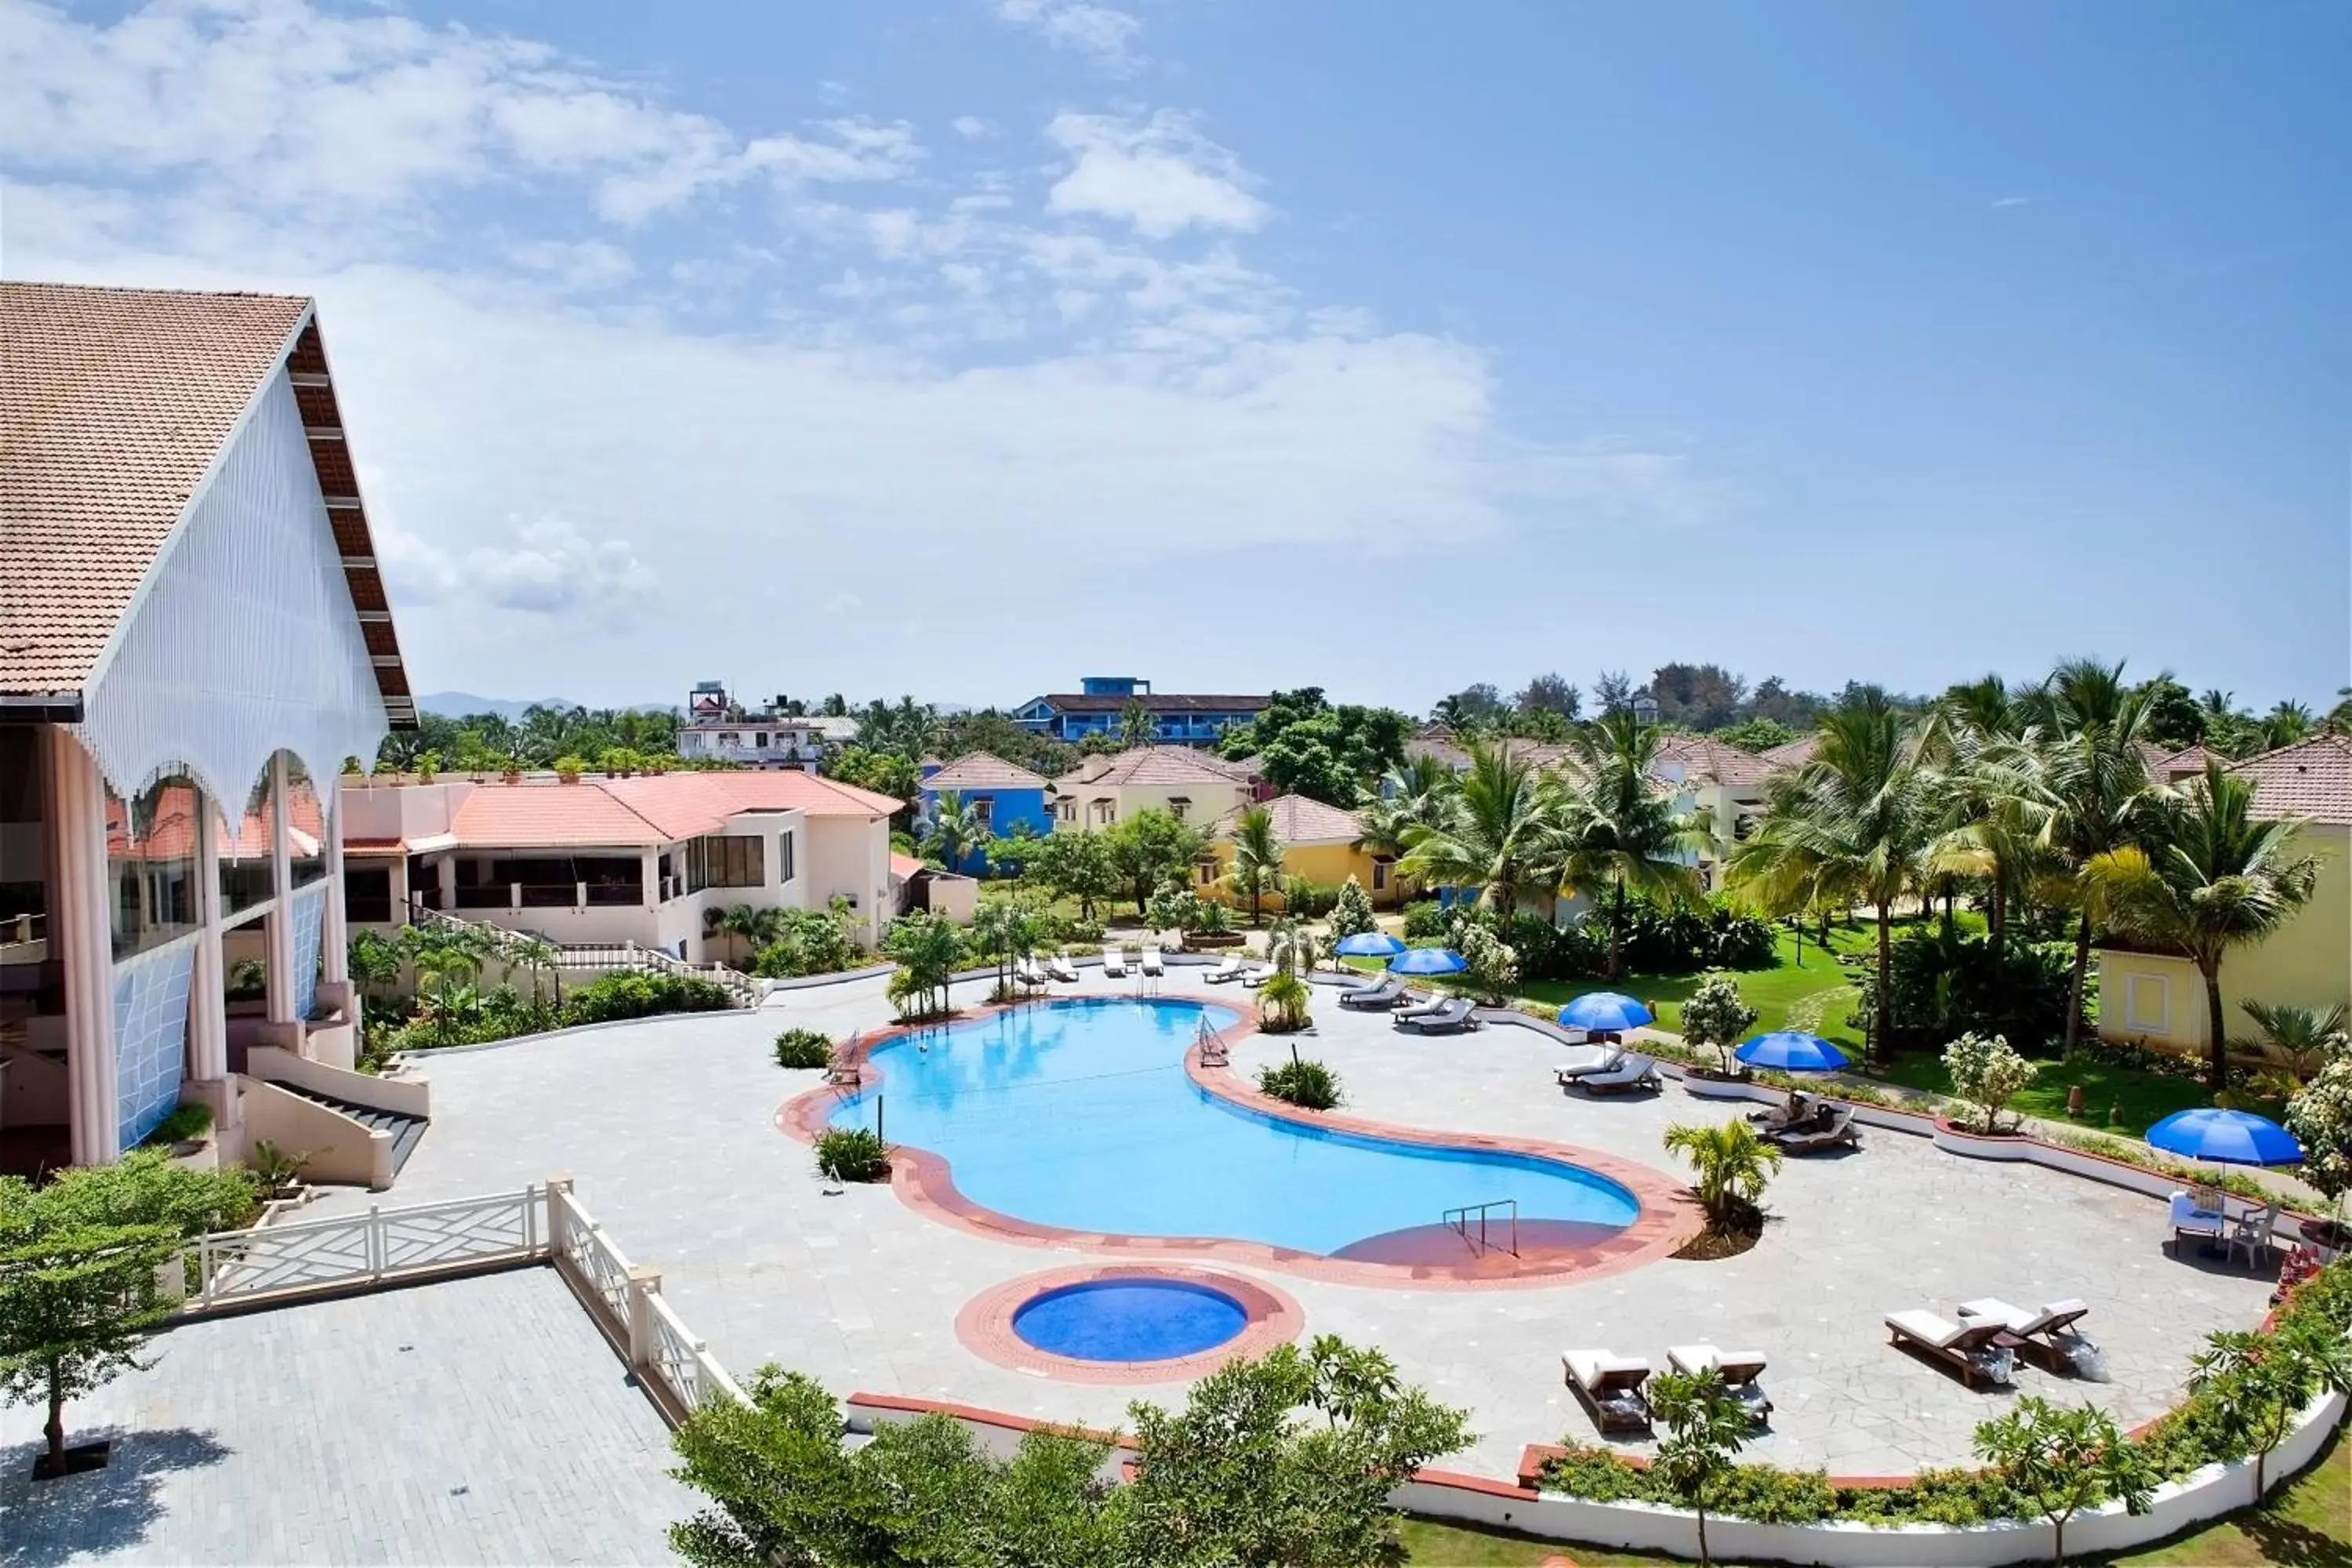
(1127, 1323)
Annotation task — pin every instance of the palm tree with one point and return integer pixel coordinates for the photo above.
(1988, 781)
(1852, 826)
(2285, 724)
(375, 961)
(1498, 831)
(1257, 856)
(1136, 725)
(1619, 827)
(446, 958)
(2095, 790)
(926, 949)
(2293, 1043)
(2212, 877)
(996, 928)
(957, 831)
(537, 954)
(742, 924)
(1729, 1166)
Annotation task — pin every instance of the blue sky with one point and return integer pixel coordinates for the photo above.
(964, 348)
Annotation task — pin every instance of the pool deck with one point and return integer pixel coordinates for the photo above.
(670, 1128)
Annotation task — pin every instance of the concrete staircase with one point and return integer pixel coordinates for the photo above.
(406, 1130)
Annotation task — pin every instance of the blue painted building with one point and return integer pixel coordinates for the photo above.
(1177, 719)
(1004, 796)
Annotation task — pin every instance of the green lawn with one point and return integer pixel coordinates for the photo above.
(2308, 1525)
(1811, 991)
(2115, 1099)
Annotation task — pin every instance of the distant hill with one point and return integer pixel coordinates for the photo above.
(458, 704)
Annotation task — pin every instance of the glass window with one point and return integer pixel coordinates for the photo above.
(243, 842)
(733, 860)
(151, 863)
(306, 827)
(984, 809)
(367, 895)
(783, 857)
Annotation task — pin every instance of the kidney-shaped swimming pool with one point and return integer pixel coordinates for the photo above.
(1079, 1115)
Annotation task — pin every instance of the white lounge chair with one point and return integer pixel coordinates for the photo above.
(1966, 1347)
(1114, 963)
(1062, 969)
(2047, 1337)
(1737, 1369)
(1610, 1385)
(1635, 1071)
(1155, 963)
(1259, 976)
(1584, 1061)
(1027, 973)
(1231, 968)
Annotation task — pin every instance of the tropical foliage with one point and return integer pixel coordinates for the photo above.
(1716, 1017)
(1307, 1084)
(1306, 746)
(1351, 911)
(1706, 1426)
(1987, 1073)
(2059, 1461)
(1257, 856)
(926, 948)
(1150, 850)
(1618, 829)
(1730, 1168)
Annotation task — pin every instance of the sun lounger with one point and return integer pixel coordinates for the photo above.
(1966, 1348)
(1799, 1109)
(1584, 1061)
(1114, 963)
(1420, 1009)
(1835, 1127)
(1450, 1017)
(1027, 973)
(1737, 1369)
(1386, 992)
(1061, 968)
(1634, 1072)
(1260, 975)
(2046, 1337)
(1231, 968)
(1155, 963)
(1610, 1385)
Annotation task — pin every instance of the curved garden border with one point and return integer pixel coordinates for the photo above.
(985, 1324)
(1669, 1216)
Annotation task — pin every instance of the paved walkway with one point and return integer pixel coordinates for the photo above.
(669, 1126)
(482, 1420)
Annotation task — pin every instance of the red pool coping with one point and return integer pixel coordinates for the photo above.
(1669, 1216)
(985, 1324)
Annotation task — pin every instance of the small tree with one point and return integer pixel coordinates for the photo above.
(2059, 1462)
(1716, 1015)
(76, 1304)
(1987, 1073)
(1493, 964)
(1282, 1004)
(1257, 856)
(2263, 1381)
(2320, 1117)
(1729, 1168)
(1149, 851)
(1353, 911)
(1706, 1425)
(926, 948)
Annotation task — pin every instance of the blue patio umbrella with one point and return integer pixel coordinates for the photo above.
(1605, 1011)
(1791, 1050)
(2226, 1137)
(1370, 945)
(1428, 961)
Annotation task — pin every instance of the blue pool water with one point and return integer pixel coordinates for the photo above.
(1079, 1114)
(1130, 1319)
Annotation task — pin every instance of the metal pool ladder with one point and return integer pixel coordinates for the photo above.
(1480, 1227)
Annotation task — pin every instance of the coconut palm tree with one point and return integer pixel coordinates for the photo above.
(2293, 1043)
(1729, 1165)
(1136, 725)
(539, 956)
(1498, 831)
(957, 831)
(2095, 790)
(1852, 826)
(1619, 828)
(375, 961)
(2212, 877)
(1257, 856)
(1989, 782)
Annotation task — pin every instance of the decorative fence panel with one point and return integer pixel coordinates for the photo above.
(378, 1247)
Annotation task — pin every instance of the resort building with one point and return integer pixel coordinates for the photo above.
(192, 631)
(609, 862)
(1190, 786)
(1101, 702)
(719, 728)
(1001, 797)
(1320, 844)
(2159, 999)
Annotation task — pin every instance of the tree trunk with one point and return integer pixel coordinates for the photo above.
(56, 1429)
(2217, 1065)
(1702, 1539)
(2074, 985)
(1997, 912)
(1617, 934)
(1882, 1034)
(2058, 1547)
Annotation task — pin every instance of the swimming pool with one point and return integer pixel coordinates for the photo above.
(1130, 1319)
(1079, 1115)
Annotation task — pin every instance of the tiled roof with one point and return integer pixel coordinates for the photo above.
(980, 770)
(645, 811)
(2186, 762)
(115, 404)
(1156, 765)
(2311, 778)
(904, 866)
(1298, 820)
(1710, 758)
(1150, 701)
(1793, 753)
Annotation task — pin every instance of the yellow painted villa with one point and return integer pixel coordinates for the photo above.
(2159, 1000)
(1320, 843)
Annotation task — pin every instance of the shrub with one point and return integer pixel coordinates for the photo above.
(639, 995)
(1729, 1166)
(1717, 1016)
(185, 1124)
(1174, 908)
(808, 941)
(1494, 963)
(804, 1049)
(1302, 899)
(1307, 1084)
(1352, 911)
(1944, 985)
(1425, 920)
(2320, 1117)
(1987, 1073)
(1283, 1004)
(852, 1154)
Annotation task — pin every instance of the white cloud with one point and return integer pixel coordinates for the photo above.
(1091, 30)
(970, 127)
(581, 266)
(550, 569)
(1999, 202)
(1160, 177)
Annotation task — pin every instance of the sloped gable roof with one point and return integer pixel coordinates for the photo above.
(1157, 765)
(983, 770)
(645, 811)
(1299, 820)
(2311, 778)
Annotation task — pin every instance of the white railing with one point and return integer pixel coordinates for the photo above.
(279, 1265)
(380, 1247)
(625, 955)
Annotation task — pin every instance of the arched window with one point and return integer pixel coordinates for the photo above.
(151, 863)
